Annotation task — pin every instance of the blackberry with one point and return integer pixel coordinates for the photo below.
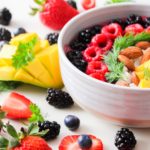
(5, 16)
(78, 45)
(5, 35)
(85, 35)
(59, 98)
(147, 22)
(52, 127)
(95, 29)
(80, 64)
(72, 3)
(125, 139)
(134, 19)
(19, 31)
(52, 38)
(71, 55)
(119, 21)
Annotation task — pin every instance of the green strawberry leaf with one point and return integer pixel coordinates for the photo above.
(33, 129)
(2, 115)
(12, 131)
(14, 143)
(36, 114)
(3, 143)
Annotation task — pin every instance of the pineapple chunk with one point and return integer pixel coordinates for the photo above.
(144, 83)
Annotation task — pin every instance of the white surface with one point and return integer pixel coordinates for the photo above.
(89, 123)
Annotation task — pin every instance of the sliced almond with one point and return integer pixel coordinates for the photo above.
(122, 83)
(143, 44)
(146, 56)
(134, 79)
(127, 62)
(132, 52)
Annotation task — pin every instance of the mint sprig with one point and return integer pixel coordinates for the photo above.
(24, 54)
(115, 67)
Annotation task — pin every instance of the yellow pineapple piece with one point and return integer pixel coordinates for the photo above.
(144, 83)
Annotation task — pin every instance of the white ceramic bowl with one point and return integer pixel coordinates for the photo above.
(121, 105)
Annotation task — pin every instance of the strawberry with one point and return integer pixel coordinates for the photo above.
(17, 106)
(71, 143)
(88, 4)
(32, 143)
(55, 13)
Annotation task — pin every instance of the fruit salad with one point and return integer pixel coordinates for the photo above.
(117, 52)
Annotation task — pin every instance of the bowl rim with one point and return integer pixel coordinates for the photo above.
(63, 55)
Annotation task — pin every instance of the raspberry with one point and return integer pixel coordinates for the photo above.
(112, 30)
(134, 28)
(93, 54)
(101, 41)
(98, 76)
(96, 67)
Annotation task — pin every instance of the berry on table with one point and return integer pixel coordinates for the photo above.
(72, 122)
(5, 16)
(59, 98)
(52, 38)
(19, 31)
(134, 28)
(5, 35)
(72, 3)
(112, 30)
(125, 139)
(52, 127)
(88, 4)
(93, 53)
(101, 41)
(84, 141)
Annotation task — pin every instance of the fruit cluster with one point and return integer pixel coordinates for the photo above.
(90, 50)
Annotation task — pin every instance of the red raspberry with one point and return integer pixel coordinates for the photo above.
(92, 54)
(98, 76)
(101, 41)
(134, 28)
(112, 30)
(147, 29)
(96, 67)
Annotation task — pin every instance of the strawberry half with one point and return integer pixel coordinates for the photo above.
(55, 13)
(71, 143)
(17, 106)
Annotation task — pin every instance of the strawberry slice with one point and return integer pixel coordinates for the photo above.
(88, 4)
(17, 106)
(71, 143)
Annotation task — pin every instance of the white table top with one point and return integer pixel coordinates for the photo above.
(89, 123)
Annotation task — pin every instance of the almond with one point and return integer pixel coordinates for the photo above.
(143, 44)
(127, 62)
(122, 83)
(132, 52)
(146, 56)
(134, 79)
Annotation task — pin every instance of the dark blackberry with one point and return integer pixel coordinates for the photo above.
(80, 64)
(71, 55)
(125, 139)
(52, 38)
(19, 31)
(5, 16)
(134, 19)
(77, 45)
(59, 98)
(119, 21)
(147, 22)
(5, 35)
(95, 29)
(52, 127)
(72, 3)
(85, 35)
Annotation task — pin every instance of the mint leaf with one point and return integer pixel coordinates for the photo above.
(24, 54)
(36, 114)
(12, 131)
(3, 143)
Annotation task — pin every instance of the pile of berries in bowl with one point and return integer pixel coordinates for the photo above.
(105, 58)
